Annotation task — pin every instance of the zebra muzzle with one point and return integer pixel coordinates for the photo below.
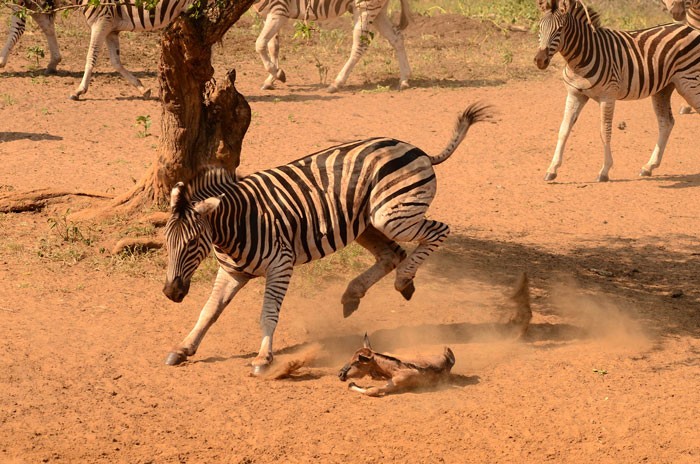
(542, 59)
(176, 289)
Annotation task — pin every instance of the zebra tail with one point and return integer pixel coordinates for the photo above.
(476, 112)
(405, 15)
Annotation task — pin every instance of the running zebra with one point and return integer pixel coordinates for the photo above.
(106, 21)
(373, 191)
(366, 13)
(608, 65)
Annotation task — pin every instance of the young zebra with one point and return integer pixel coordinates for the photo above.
(365, 13)
(608, 65)
(373, 191)
(106, 22)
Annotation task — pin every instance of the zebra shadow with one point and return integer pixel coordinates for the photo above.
(75, 74)
(290, 97)
(33, 136)
(423, 83)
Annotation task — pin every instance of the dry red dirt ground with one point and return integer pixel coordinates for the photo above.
(609, 371)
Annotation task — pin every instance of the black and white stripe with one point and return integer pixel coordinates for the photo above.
(608, 65)
(366, 13)
(687, 11)
(106, 21)
(375, 192)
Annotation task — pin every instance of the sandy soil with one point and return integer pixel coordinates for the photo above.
(609, 371)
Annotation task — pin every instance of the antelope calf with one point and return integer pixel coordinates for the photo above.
(400, 375)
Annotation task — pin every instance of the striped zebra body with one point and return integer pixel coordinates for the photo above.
(106, 21)
(608, 65)
(366, 13)
(375, 192)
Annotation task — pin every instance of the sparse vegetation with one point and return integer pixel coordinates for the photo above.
(143, 123)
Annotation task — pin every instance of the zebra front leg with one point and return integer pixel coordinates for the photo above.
(46, 23)
(273, 24)
(395, 38)
(664, 117)
(388, 254)
(575, 101)
(607, 110)
(98, 33)
(276, 285)
(114, 57)
(225, 288)
(17, 26)
(360, 42)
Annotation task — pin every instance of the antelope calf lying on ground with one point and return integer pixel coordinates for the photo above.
(400, 375)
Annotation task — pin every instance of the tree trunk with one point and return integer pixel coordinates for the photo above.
(203, 122)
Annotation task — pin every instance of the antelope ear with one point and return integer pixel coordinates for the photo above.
(365, 342)
(206, 207)
(363, 358)
(178, 195)
(565, 6)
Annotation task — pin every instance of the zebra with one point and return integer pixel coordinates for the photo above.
(687, 11)
(365, 13)
(106, 21)
(375, 192)
(608, 65)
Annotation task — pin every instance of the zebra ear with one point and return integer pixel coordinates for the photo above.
(365, 342)
(206, 207)
(546, 5)
(565, 6)
(178, 196)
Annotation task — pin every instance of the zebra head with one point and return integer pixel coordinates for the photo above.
(676, 8)
(188, 239)
(551, 25)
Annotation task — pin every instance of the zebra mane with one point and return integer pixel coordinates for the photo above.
(588, 13)
(209, 182)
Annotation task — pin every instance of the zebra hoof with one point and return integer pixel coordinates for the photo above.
(603, 178)
(267, 87)
(257, 371)
(50, 71)
(147, 94)
(645, 173)
(75, 97)
(174, 358)
(332, 88)
(550, 176)
(281, 76)
(404, 85)
(408, 292)
(685, 110)
(350, 307)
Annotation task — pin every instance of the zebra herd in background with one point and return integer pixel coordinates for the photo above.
(111, 17)
(106, 21)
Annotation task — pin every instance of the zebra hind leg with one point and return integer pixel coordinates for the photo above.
(388, 254)
(114, 57)
(46, 23)
(665, 119)
(273, 24)
(429, 234)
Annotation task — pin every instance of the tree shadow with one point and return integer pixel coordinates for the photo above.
(33, 136)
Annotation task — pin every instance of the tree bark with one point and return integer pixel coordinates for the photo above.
(203, 122)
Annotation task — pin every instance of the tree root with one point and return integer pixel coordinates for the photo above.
(37, 200)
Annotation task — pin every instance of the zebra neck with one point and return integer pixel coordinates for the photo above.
(580, 43)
